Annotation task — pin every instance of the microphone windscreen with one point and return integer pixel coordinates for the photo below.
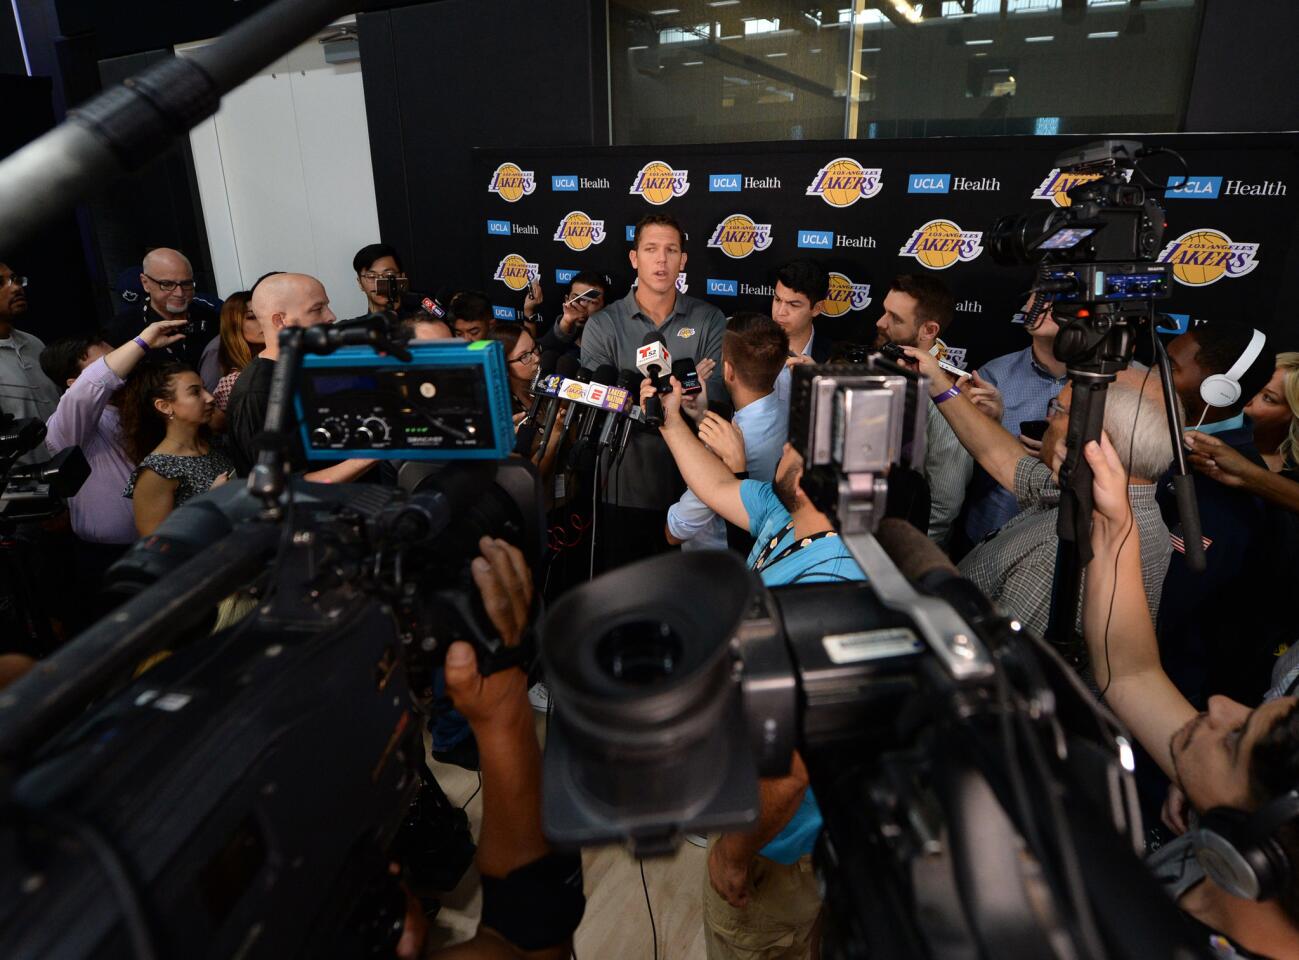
(913, 553)
(567, 366)
(549, 362)
(584, 374)
(606, 373)
(653, 337)
(630, 379)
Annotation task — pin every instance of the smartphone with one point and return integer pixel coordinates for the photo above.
(1033, 429)
(591, 294)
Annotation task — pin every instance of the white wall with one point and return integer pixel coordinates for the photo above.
(284, 176)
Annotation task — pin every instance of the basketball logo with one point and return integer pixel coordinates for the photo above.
(510, 183)
(844, 181)
(515, 272)
(1057, 185)
(738, 236)
(578, 231)
(658, 183)
(940, 243)
(844, 295)
(1203, 256)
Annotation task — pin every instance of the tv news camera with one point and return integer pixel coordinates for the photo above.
(1096, 270)
(244, 795)
(977, 801)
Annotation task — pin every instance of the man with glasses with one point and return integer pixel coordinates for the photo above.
(168, 281)
(373, 263)
(25, 391)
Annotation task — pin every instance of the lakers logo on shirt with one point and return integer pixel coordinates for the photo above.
(578, 231)
(844, 295)
(511, 183)
(738, 236)
(844, 181)
(940, 243)
(1203, 256)
(516, 272)
(658, 183)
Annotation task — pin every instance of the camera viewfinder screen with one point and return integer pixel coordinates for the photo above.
(1066, 238)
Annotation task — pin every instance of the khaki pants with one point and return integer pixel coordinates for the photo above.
(778, 923)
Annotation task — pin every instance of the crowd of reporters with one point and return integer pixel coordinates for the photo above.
(170, 402)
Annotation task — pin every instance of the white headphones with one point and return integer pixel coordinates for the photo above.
(1223, 389)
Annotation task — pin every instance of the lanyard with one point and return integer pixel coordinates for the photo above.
(765, 559)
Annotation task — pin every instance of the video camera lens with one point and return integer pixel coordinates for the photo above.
(1016, 239)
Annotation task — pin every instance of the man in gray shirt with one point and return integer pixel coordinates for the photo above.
(25, 391)
(644, 481)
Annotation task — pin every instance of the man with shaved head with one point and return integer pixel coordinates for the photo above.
(280, 300)
(168, 282)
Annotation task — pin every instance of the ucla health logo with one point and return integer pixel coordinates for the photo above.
(658, 183)
(844, 181)
(1057, 185)
(503, 313)
(844, 295)
(940, 243)
(1203, 256)
(725, 182)
(723, 288)
(511, 183)
(578, 231)
(737, 236)
(929, 183)
(498, 228)
(1195, 188)
(816, 239)
(564, 183)
(563, 276)
(515, 272)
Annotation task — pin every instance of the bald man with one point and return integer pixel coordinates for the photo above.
(168, 281)
(280, 300)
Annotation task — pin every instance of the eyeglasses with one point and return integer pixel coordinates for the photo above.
(370, 275)
(167, 286)
(527, 354)
(13, 278)
(1056, 407)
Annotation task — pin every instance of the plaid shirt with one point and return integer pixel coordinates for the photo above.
(1015, 566)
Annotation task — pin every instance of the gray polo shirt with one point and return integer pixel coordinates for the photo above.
(25, 391)
(645, 475)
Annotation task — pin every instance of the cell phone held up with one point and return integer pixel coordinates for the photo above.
(1033, 429)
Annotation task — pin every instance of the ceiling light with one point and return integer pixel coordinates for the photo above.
(977, 43)
(639, 46)
(723, 3)
(870, 49)
(1045, 39)
(815, 50)
(732, 36)
(781, 54)
(666, 11)
(693, 63)
(908, 10)
(1103, 35)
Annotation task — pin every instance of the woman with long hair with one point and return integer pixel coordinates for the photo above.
(166, 419)
(241, 340)
(522, 357)
(1275, 414)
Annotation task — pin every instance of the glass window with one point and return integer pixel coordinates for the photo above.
(715, 71)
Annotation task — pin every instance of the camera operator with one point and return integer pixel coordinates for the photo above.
(1228, 757)
(279, 300)
(1015, 567)
(532, 896)
(373, 262)
(917, 310)
(1014, 389)
(761, 898)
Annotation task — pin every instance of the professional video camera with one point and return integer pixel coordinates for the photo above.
(244, 795)
(1096, 271)
(977, 801)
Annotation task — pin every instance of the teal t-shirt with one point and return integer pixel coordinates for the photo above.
(820, 561)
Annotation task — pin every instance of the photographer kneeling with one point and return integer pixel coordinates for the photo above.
(1237, 768)
(532, 896)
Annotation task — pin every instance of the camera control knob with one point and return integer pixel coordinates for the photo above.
(373, 430)
(331, 431)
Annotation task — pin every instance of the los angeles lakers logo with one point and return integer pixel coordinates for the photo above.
(578, 231)
(658, 183)
(512, 184)
(940, 243)
(844, 181)
(1057, 185)
(844, 295)
(515, 272)
(738, 236)
(1203, 256)
(682, 285)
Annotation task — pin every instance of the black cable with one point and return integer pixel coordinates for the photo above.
(113, 866)
(653, 929)
(475, 793)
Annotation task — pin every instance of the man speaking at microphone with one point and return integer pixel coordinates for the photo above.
(645, 482)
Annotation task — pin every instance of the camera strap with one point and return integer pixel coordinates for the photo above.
(765, 559)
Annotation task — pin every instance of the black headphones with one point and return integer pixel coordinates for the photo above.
(1240, 851)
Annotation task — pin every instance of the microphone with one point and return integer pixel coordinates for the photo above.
(683, 368)
(527, 431)
(578, 458)
(923, 563)
(628, 380)
(583, 375)
(652, 359)
(567, 366)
